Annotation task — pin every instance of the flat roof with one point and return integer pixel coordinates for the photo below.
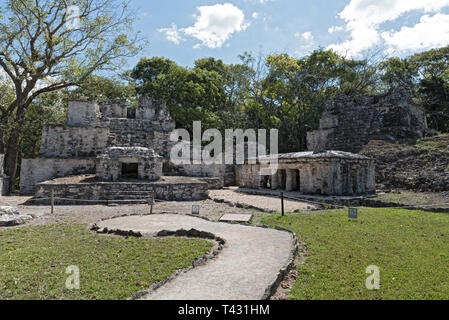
(315, 155)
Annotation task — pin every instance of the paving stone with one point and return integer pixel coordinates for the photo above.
(236, 218)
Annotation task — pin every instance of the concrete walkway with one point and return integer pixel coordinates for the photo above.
(248, 265)
(270, 201)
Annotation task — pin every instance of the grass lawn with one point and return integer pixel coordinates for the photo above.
(411, 248)
(33, 262)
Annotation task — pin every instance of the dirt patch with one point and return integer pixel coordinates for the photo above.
(93, 213)
(419, 167)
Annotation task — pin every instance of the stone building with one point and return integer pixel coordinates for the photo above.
(4, 180)
(348, 123)
(129, 163)
(326, 173)
(91, 129)
(112, 152)
(116, 152)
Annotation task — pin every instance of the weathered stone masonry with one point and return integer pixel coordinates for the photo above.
(350, 123)
(91, 129)
(124, 152)
(327, 173)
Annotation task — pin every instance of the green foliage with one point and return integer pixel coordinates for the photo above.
(41, 51)
(405, 245)
(426, 77)
(204, 93)
(282, 92)
(101, 89)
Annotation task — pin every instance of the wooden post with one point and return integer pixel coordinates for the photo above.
(52, 200)
(152, 202)
(282, 203)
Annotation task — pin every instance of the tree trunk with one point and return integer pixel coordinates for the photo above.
(2, 145)
(12, 150)
(3, 125)
(11, 157)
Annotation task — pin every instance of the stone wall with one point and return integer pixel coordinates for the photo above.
(109, 165)
(188, 189)
(114, 109)
(225, 172)
(71, 142)
(350, 123)
(92, 129)
(81, 113)
(314, 174)
(34, 171)
(140, 133)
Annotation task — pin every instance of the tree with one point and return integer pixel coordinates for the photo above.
(102, 89)
(43, 48)
(191, 95)
(397, 72)
(292, 94)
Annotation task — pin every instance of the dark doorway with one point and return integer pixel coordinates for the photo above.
(298, 180)
(266, 182)
(282, 179)
(131, 113)
(130, 170)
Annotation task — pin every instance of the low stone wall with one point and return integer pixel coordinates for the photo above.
(225, 172)
(34, 171)
(169, 189)
(213, 183)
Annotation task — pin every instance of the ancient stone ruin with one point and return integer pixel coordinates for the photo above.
(113, 152)
(348, 124)
(327, 173)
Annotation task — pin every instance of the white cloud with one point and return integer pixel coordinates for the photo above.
(364, 17)
(334, 29)
(216, 24)
(430, 32)
(172, 34)
(255, 15)
(307, 36)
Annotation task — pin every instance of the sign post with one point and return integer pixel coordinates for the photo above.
(282, 203)
(196, 209)
(352, 213)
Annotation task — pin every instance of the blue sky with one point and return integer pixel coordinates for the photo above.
(186, 30)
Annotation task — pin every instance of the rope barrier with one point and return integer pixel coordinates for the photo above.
(96, 201)
(345, 207)
(437, 205)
